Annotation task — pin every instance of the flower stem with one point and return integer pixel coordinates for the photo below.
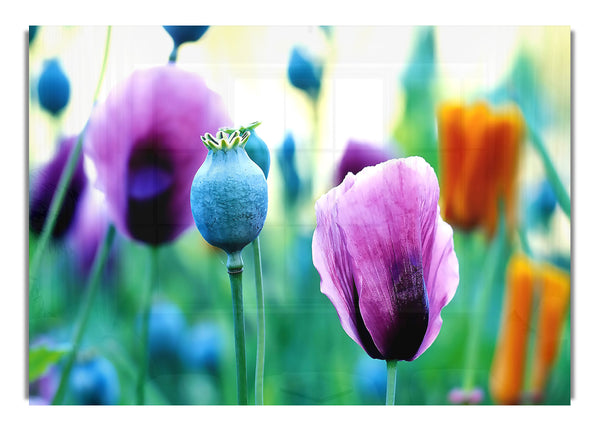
(235, 266)
(84, 314)
(146, 304)
(482, 299)
(63, 183)
(173, 55)
(559, 189)
(260, 337)
(390, 394)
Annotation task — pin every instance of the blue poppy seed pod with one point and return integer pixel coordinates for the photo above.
(305, 72)
(229, 193)
(185, 33)
(54, 89)
(94, 381)
(259, 152)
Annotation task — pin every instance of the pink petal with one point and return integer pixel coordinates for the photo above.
(384, 217)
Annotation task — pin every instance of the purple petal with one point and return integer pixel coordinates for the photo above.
(357, 156)
(384, 217)
(441, 278)
(43, 185)
(145, 142)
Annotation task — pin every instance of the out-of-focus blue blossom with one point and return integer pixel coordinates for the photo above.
(416, 129)
(54, 89)
(94, 381)
(540, 209)
(202, 347)
(371, 379)
(165, 329)
(185, 33)
(258, 151)
(182, 34)
(43, 185)
(305, 71)
(33, 30)
(562, 261)
(522, 87)
(287, 163)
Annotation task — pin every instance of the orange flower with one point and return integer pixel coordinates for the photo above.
(554, 300)
(479, 151)
(506, 379)
(552, 291)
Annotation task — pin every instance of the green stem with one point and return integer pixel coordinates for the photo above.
(173, 55)
(390, 394)
(551, 173)
(63, 184)
(235, 266)
(104, 61)
(525, 242)
(483, 295)
(260, 337)
(145, 315)
(84, 314)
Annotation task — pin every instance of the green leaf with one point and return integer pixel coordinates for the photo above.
(43, 357)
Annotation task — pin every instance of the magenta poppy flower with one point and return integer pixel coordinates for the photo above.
(357, 156)
(386, 258)
(89, 229)
(145, 143)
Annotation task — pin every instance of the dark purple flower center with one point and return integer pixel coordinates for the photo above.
(405, 333)
(412, 307)
(44, 185)
(150, 186)
(363, 333)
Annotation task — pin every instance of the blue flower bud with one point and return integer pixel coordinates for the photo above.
(229, 194)
(185, 33)
(94, 381)
(54, 89)
(259, 152)
(287, 163)
(165, 328)
(202, 347)
(304, 72)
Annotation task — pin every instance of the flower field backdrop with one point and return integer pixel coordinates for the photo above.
(418, 183)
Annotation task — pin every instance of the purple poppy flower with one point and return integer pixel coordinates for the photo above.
(43, 185)
(359, 155)
(386, 258)
(145, 142)
(89, 228)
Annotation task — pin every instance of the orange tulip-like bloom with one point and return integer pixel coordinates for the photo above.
(479, 152)
(547, 290)
(554, 300)
(508, 367)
